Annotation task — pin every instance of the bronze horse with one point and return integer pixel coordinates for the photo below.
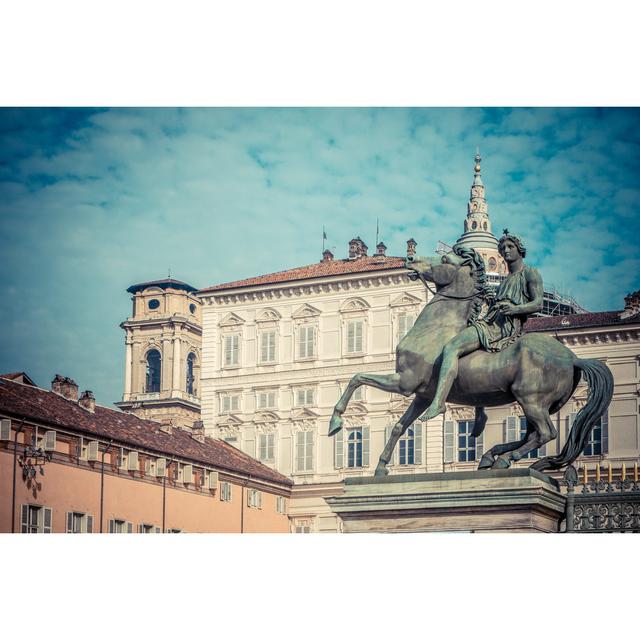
(537, 371)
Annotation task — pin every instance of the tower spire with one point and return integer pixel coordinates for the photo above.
(477, 226)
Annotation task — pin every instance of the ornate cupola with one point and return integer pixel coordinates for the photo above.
(477, 226)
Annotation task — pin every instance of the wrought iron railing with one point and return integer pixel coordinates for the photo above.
(602, 505)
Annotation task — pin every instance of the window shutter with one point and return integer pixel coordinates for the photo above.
(479, 446)
(358, 346)
(92, 451)
(47, 519)
(161, 467)
(69, 521)
(264, 351)
(49, 440)
(5, 430)
(448, 440)
(351, 337)
(309, 452)
(365, 446)
(227, 350)
(24, 520)
(112, 526)
(187, 474)
(129, 527)
(417, 442)
(140, 528)
(133, 461)
(570, 420)
(339, 449)
(605, 432)
(157, 529)
(235, 349)
(511, 433)
(89, 524)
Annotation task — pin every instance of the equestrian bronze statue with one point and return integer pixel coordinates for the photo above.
(454, 354)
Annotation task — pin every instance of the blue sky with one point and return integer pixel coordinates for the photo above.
(92, 201)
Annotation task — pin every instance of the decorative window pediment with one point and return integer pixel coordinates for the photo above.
(231, 320)
(230, 422)
(406, 300)
(356, 408)
(305, 311)
(354, 304)
(302, 413)
(268, 315)
(266, 417)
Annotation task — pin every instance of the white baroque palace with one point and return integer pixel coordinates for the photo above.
(279, 349)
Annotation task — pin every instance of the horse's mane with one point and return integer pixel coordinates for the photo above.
(474, 260)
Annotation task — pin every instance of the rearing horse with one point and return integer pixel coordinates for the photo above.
(537, 371)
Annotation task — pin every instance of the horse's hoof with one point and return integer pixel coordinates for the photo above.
(335, 424)
(486, 462)
(381, 471)
(500, 463)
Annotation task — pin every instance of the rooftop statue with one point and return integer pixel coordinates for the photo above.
(452, 354)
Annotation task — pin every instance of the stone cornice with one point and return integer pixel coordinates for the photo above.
(596, 335)
(162, 322)
(329, 284)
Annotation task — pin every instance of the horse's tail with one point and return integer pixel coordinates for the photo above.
(600, 381)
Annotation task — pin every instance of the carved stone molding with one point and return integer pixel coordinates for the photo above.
(461, 413)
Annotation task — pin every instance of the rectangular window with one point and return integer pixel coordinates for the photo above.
(280, 504)
(596, 445)
(354, 336)
(306, 341)
(231, 350)
(304, 451)
(302, 525)
(254, 498)
(225, 492)
(523, 432)
(150, 467)
(120, 526)
(229, 402)
(123, 459)
(36, 519)
(268, 346)
(266, 447)
(304, 397)
(358, 394)
(78, 522)
(174, 530)
(148, 528)
(266, 400)
(469, 447)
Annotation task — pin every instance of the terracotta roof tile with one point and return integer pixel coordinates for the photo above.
(578, 320)
(47, 407)
(316, 270)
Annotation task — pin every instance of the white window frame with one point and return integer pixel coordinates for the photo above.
(42, 514)
(84, 520)
(267, 393)
(117, 525)
(306, 349)
(306, 402)
(360, 394)
(302, 525)
(227, 404)
(225, 492)
(231, 357)
(267, 354)
(145, 527)
(254, 498)
(281, 505)
(351, 349)
(304, 440)
(267, 447)
(401, 318)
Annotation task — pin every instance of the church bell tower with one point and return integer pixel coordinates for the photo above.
(163, 344)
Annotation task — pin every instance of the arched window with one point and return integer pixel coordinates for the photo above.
(191, 360)
(154, 362)
(493, 265)
(474, 225)
(484, 226)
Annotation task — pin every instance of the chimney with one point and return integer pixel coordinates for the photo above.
(197, 431)
(87, 401)
(381, 249)
(411, 247)
(357, 248)
(631, 305)
(66, 387)
(326, 256)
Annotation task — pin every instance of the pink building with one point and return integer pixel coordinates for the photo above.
(69, 465)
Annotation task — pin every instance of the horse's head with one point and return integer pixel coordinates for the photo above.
(457, 274)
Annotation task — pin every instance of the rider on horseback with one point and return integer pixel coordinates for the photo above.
(519, 295)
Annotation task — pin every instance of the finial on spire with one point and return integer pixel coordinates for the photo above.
(478, 160)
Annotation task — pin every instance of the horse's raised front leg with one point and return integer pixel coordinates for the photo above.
(415, 409)
(393, 383)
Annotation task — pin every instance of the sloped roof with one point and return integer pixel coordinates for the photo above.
(316, 270)
(578, 320)
(18, 376)
(47, 407)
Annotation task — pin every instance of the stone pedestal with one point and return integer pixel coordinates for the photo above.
(514, 500)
